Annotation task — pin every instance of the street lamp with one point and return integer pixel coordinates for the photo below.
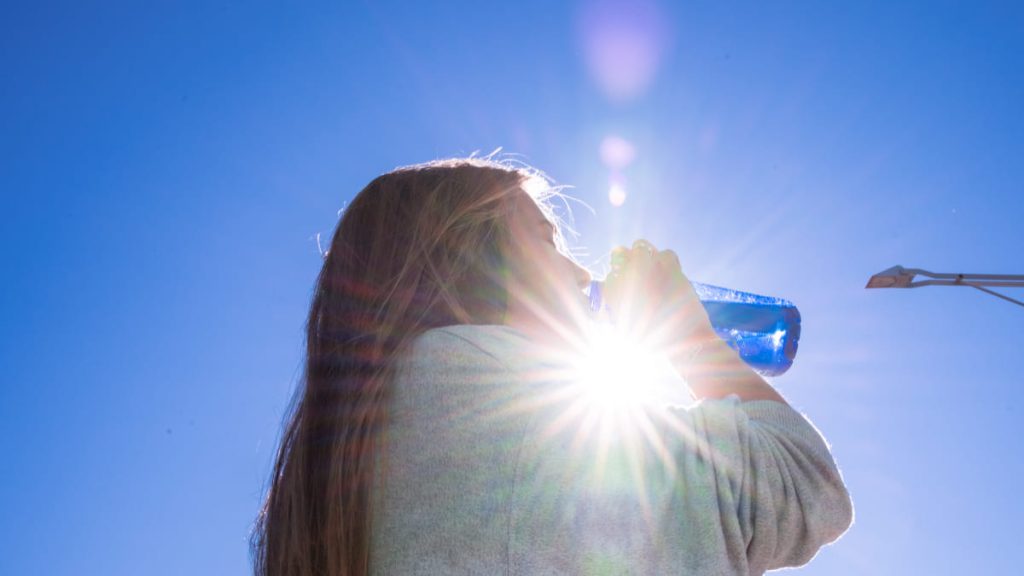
(900, 277)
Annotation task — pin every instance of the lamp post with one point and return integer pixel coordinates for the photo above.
(900, 277)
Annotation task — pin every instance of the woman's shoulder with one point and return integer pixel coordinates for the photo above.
(480, 335)
(495, 341)
(485, 343)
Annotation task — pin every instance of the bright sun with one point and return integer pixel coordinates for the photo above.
(616, 409)
(617, 374)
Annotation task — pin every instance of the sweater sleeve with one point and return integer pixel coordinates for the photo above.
(775, 470)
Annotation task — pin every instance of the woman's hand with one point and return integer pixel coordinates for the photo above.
(650, 297)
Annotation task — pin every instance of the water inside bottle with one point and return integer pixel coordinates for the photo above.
(763, 329)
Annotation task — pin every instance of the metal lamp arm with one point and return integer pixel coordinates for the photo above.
(977, 285)
(1006, 280)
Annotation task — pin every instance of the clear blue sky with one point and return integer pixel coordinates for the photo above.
(166, 167)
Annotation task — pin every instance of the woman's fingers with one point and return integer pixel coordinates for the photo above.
(640, 258)
(634, 285)
(668, 257)
(619, 257)
(668, 265)
(649, 293)
(644, 245)
(640, 254)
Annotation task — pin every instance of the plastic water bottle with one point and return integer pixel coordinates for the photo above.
(764, 330)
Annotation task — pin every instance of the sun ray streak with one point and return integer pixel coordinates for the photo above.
(619, 412)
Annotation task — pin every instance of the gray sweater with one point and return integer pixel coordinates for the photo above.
(495, 465)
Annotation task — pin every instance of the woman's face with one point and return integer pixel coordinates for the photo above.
(545, 286)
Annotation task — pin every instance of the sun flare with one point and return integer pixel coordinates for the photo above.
(617, 374)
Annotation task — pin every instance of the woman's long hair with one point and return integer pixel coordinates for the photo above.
(418, 248)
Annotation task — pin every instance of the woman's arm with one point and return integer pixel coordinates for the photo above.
(794, 498)
(714, 370)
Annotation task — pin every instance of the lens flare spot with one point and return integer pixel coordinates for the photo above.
(623, 43)
(617, 153)
(616, 194)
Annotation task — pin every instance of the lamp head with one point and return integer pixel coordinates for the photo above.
(895, 277)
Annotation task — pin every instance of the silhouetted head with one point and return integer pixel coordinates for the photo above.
(465, 241)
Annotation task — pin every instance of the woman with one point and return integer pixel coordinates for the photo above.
(441, 428)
